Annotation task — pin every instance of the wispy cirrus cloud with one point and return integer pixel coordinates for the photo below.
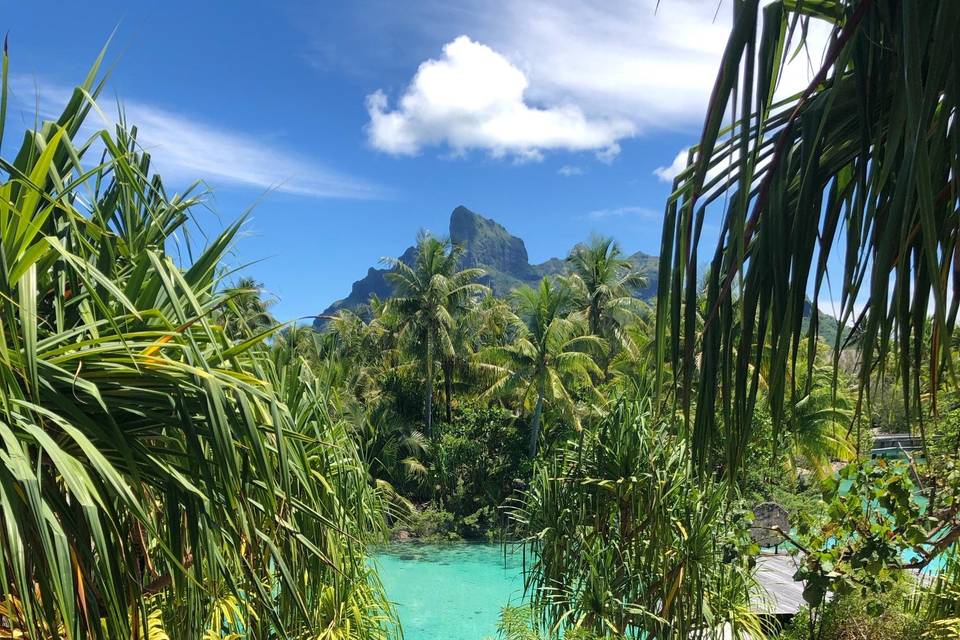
(186, 148)
(570, 170)
(624, 212)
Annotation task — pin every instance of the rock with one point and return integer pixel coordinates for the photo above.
(401, 535)
(488, 245)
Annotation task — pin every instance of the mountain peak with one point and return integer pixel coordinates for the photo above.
(463, 219)
(487, 243)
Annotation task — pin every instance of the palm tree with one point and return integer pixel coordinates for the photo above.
(550, 355)
(477, 324)
(299, 341)
(367, 349)
(816, 422)
(249, 312)
(604, 282)
(428, 296)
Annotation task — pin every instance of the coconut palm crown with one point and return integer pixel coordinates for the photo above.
(429, 294)
(551, 355)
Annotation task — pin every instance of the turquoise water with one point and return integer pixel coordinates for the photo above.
(452, 591)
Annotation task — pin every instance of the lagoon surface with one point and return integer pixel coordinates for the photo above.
(451, 591)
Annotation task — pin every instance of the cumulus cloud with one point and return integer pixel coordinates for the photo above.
(185, 148)
(651, 62)
(671, 171)
(648, 64)
(473, 97)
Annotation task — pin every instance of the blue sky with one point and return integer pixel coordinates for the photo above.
(351, 126)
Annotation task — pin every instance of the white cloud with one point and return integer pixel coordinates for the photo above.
(668, 173)
(621, 212)
(652, 65)
(649, 61)
(646, 63)
(671, 171)
(570, 170)
(475, 98)
(184, 148)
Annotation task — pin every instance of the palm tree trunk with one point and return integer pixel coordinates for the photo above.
(428, 387)
(448, 387)
(535, 422)
(428, 400)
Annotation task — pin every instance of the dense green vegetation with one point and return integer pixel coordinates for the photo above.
(165, 472)
(627, 535)
(860, 168)
(174, 463)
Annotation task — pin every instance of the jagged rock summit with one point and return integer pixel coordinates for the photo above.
(488, 245)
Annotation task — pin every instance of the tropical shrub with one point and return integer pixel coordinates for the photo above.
(155, 463)
(625, 539)
(887, 616)
(427, 523)
(877, 525)
(477, 462)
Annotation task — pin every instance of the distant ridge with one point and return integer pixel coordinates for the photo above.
(488, 245)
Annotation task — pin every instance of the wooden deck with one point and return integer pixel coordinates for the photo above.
(895, 444)
(784, 595)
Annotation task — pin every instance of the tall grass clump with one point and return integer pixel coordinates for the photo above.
(158, 478)
(626, 541)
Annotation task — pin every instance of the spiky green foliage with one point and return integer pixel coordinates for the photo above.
(153, 468)
(859, 169)
(861, 165)
(626, 540)
(940, 604)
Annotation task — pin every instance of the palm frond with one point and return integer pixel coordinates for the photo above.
(859, 167)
